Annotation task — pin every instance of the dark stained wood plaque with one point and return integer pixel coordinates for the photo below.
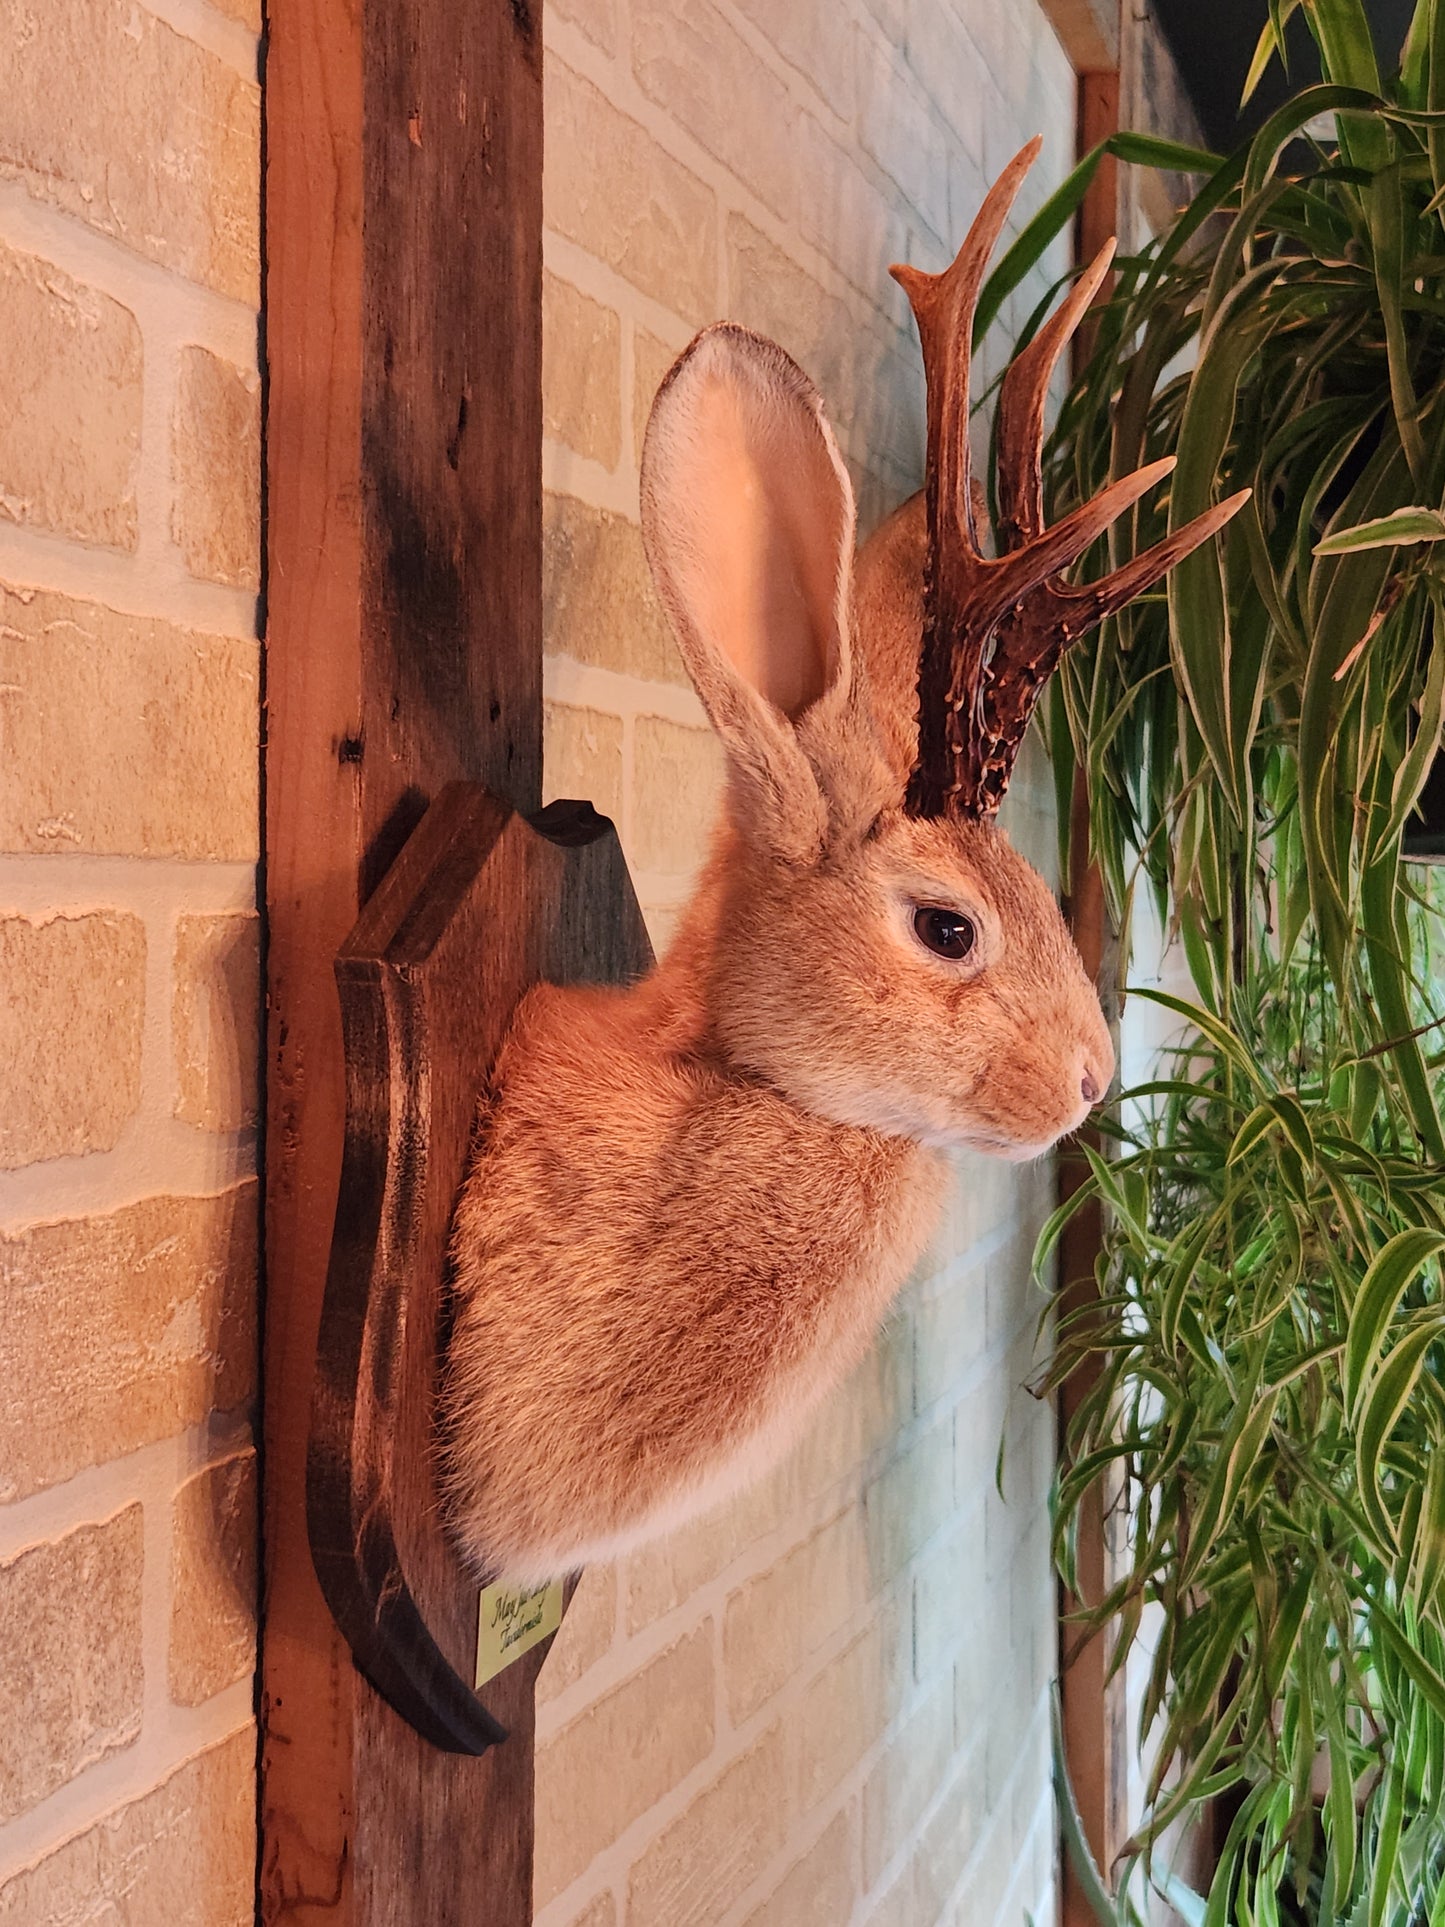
(480, 905)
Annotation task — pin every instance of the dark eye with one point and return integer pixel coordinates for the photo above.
(944, 932)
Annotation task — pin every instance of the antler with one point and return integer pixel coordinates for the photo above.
(994, 628)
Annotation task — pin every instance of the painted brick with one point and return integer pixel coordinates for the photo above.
(124, 735)
(877, 495)
(979, 1427)
(977, 1200)
(873, 393)
(70, 400)
(782, 1615)
(861, 1417)
(768, 290)
(1004, 133)
(157, 141)
(70, 1629)
(821, 1889)
(900, 132)
(951, 1601)
(694, 1871)
(895, 1908)
(902, 1785)
(1030, 1594)
(848, 1704)
(1029, 1804)
(582, 757)
(690, 60)
(213, 1580)
(1008, 1518)
(1012, 1301)
(216, 469)
(609, 187)
(70, 1033)
(123, 1329)
(602, 1912)
(663, 920)
(810, 37)
(844, 216)
(596, 18)
(651, 360)
(581, 372)
(659, 1577)
(677, 788)
(975, 1675)
(1002, 40)
(191, 1844)
(248, 12)
(942, 60)
(610, 1764)
(677, 784)
(1028, 1452)
(215, 1023)
(909, 1501)
(947, 1841)
(951, 1335)
(586, 1632)
(968, 183)
(598, 603)
(1031, 800)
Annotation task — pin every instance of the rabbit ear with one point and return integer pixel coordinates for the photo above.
(748, 520)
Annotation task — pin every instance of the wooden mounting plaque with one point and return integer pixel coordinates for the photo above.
(481, 904)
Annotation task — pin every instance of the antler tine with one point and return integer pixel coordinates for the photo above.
(943, 307)
(1024, 569)
(994, 627)
(1092, 602)
(1034, 634)
(1021, 402)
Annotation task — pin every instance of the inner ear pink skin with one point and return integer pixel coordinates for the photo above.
(770, 570)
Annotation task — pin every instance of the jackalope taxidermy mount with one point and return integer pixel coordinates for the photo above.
(693, 1198)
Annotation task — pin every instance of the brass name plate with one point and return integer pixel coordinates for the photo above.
(510, 1621)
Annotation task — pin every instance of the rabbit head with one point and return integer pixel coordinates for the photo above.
(871, 943)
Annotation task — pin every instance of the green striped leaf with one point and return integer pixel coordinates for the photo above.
(1391, 1274)
(1399, 529)
(1382, 1401)
(1429, 1561)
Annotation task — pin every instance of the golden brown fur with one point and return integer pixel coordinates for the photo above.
(694, 1199)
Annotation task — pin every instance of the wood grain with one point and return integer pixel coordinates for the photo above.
(403, 426)
(1088, 31)
(1093, 1708)
(481, 904)
(313, 861)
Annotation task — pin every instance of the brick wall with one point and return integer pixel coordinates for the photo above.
(826, 1702)
(129, 725)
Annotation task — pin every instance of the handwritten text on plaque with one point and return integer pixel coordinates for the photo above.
(510, 1621)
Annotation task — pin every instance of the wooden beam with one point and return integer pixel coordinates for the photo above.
(1093, 1708)
(1088, 31)
(403, 301)
(1094, 1713)
(1098, 112)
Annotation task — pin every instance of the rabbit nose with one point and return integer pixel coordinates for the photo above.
(1091, 1089)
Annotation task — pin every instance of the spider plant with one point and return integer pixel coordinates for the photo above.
(1268, 1339)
